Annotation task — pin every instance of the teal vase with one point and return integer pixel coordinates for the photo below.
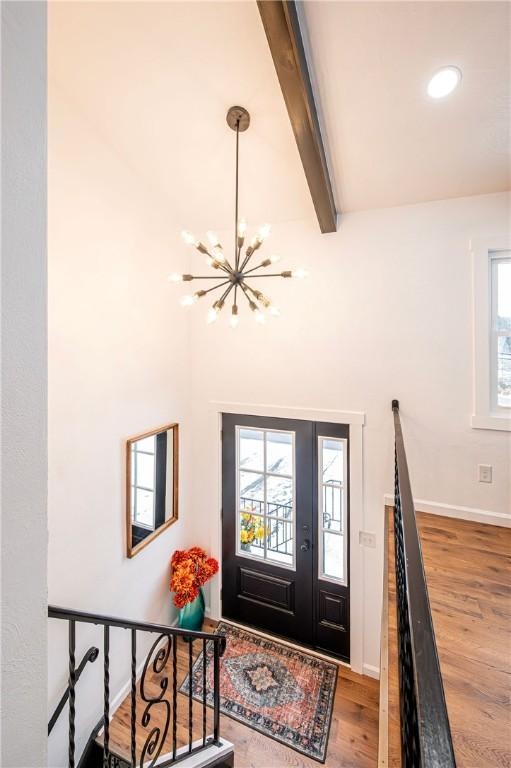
(192, 615)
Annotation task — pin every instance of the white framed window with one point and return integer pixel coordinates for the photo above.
(500, 347)
(266, 493)
(143, 482)
(492, 334)
(332, 509)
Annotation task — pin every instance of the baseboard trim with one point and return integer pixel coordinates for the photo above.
(460, 513)
(371, 671)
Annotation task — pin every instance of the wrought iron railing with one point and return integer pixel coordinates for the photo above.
(425, 733)
(280, 536)
(160, 661)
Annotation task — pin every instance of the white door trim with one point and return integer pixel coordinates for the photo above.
(355, 420)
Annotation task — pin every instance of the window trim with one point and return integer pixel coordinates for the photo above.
(265, 473)
(344, 512)
(486, 414)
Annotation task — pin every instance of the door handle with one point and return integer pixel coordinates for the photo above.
(305, 546)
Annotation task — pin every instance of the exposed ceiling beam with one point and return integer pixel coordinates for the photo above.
(280, 21)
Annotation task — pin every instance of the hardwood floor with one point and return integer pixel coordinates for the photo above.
(353, 741)
(468, 573)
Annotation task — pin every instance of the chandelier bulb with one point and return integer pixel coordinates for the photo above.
(188, 300)
(213, 238)
(274, 311)
(188, 238)
(299, 273)
(234, 319)
(264, 231)
(242, 230)
(259, 316)
(212, 315)
(274, 259)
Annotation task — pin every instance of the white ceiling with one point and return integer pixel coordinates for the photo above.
(389, 143)
(156, 79)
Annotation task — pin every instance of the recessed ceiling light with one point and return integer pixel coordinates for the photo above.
(444, 82)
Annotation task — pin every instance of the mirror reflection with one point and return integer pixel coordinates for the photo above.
(152, 484)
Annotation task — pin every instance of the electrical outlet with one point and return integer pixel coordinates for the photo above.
(367, 539)
(485, 473)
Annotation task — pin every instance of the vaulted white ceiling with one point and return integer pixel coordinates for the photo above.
(156, 79)
(389, 143)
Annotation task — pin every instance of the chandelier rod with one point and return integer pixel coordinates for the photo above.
(236, 249)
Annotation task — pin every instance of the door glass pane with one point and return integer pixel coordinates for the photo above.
(279, 452)
(332, 460)
(251, 534)
(266, 521)
(251, 449)
(332, 555)
(251, 486)
(332, 507)
(504, 371)
(279, 496)
(279, 541)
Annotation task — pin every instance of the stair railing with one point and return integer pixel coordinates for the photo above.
(89, 656)
(162, 652)
(425, 733)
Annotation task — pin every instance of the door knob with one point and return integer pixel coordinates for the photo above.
(305, 546)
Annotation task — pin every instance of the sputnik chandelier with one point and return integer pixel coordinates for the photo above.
(234, 277)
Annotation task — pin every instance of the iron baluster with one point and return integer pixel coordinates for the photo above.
(216, 692)
(72, 683)
(204, 679)
(133, 698)
(106, 698)
(174, 699)
(90, 655)
(190, 695)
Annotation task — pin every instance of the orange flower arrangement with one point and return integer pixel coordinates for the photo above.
(190, 569)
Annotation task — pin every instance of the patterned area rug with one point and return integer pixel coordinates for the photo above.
(281, 692)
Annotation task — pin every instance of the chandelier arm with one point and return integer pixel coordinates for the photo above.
(244, 289)
(271, 274)
(245, 262)
(216, 287)
(259, 266)
(208, 277)
(226, 293)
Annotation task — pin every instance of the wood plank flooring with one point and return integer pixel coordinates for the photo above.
(353, 741)
(468, 573)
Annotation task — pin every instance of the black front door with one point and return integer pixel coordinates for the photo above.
(285, 529)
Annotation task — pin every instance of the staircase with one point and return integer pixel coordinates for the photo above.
(154, 742)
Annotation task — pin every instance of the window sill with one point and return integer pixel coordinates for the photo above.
(501, 423)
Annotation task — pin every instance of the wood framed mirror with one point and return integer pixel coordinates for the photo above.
(152, 485)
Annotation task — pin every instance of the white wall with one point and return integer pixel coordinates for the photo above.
(24, 392)
(385, 313)
(118, 365)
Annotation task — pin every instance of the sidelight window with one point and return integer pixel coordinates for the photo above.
(265, 472)
(332, 509)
